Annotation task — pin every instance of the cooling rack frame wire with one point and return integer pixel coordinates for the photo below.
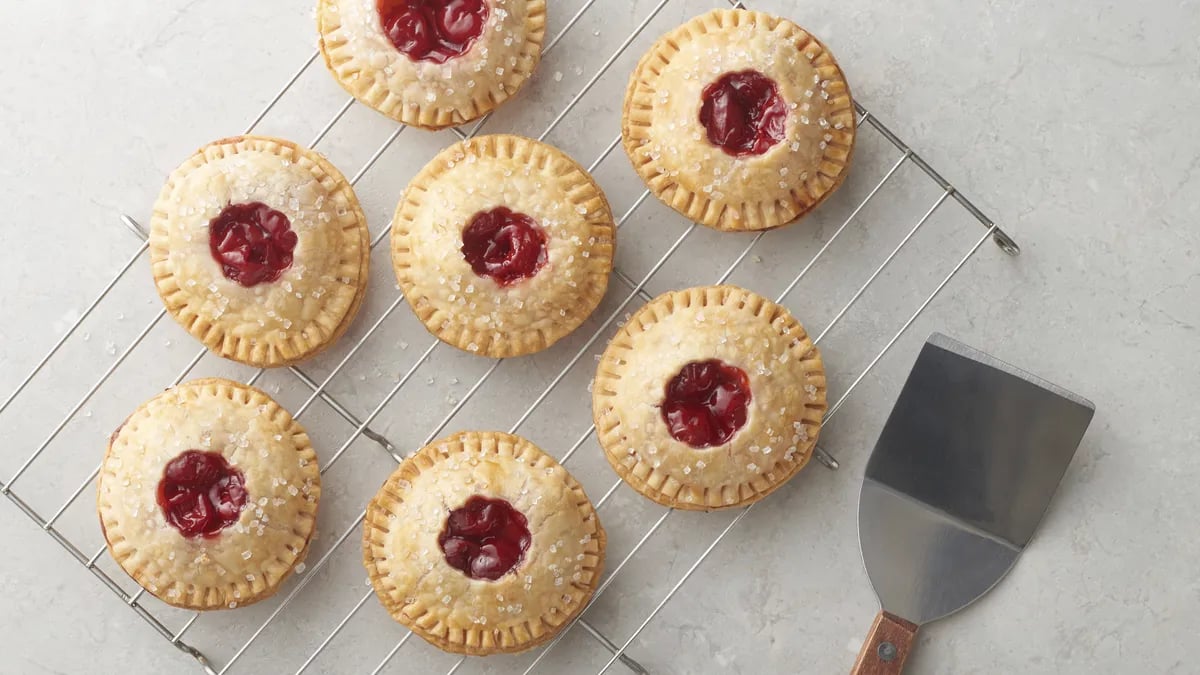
(635, 289)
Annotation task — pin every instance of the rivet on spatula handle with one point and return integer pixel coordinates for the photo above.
(887, 646)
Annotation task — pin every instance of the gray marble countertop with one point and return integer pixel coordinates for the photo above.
(1069, 123)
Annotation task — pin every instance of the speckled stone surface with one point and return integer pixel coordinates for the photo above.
(1069, 123)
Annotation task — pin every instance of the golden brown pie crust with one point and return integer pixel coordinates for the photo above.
(520, 610)
(668, 146)
(431, 95)
(313, 302)
(472, 312)
(247, 561)
(743, 329)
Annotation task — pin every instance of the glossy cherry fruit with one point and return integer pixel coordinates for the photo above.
(252, 243)
(743, 113)
(485, 538)
(504, 245)
(432, 30)
(201, 493)
(706, 403)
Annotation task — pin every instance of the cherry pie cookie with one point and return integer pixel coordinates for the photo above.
(503, 245)
(709, 398)
(208, 495)
(482, 544)
(432, 63)
(739, 120)
(260, 250)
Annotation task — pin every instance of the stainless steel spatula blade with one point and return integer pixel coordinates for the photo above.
(962, 473)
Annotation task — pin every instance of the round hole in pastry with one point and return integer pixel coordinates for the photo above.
(201, 493)
(485, 538)
(706, 403)
(504, 245)
(432, 30)
(252, 242)
(743, 113)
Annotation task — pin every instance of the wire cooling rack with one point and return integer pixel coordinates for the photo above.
(328, 398)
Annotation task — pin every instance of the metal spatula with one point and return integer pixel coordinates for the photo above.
(958, 481)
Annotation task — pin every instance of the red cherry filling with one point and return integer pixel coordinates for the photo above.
(251, 242)
(743, 113)
(485, 538)
(706, 403)
(432, 30)
(200, 493)
(504, 245)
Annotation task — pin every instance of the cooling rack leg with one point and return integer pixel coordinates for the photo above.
(826, 459)
(135, 227)
(612, 647)
(1006, 242)
(341, 410)
(196, 654)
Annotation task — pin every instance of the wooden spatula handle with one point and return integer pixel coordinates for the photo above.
(887, 646)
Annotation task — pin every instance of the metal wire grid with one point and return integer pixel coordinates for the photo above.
(362, 427)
